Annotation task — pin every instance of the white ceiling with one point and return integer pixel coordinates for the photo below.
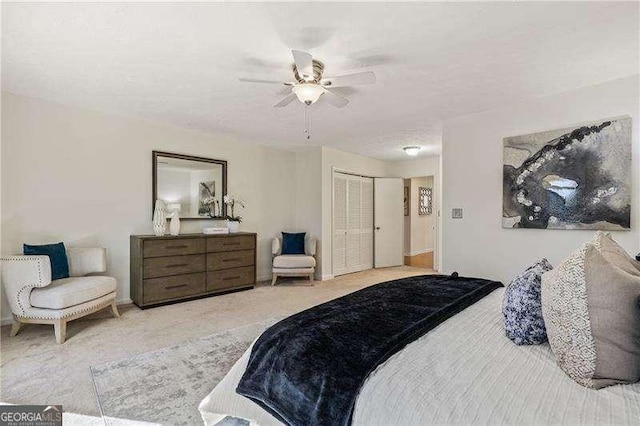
(179, 63)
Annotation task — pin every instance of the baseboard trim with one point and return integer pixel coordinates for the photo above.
(415, 253)
(327, 277)
(119, 302)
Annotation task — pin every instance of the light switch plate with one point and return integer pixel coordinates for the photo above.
(456, 213)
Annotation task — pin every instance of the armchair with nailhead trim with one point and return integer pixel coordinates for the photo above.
(35, 299)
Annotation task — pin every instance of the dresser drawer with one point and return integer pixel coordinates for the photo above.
(230, 259)
(230, 278)
(240, 242)
(175, 265)
(181, 246)
(160, 289)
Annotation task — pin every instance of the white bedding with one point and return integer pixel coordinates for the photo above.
(465, 371)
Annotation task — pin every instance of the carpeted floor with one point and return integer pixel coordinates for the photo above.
(34, 370)
(167, 385)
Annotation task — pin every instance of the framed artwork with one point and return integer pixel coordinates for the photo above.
(425, 197)
(207, 197)
(571, 178)
(406, 201)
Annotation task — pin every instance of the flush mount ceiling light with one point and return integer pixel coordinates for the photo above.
(412, 150)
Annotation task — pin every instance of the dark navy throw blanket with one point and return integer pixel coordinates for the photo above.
(308, 368)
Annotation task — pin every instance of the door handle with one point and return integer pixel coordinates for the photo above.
(177, 265)
(170, 287)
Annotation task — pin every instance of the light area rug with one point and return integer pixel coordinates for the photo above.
(165, 386)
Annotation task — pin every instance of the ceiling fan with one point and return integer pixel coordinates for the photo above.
(310, 85)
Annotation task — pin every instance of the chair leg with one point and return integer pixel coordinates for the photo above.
(114, 309)
(274, 279)
(15, 327)
(311, 277)
(60, 328)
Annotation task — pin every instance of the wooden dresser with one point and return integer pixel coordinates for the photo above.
(171, 269)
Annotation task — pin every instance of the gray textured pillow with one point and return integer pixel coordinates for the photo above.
(613, 286)
(590, 312)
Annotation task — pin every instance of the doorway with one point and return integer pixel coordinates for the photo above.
(419, 222)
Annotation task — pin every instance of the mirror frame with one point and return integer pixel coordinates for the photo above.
(156, 154)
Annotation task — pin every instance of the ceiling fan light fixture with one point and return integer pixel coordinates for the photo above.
(308, 93)
(412, 150)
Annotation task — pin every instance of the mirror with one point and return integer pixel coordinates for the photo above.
(191, 186)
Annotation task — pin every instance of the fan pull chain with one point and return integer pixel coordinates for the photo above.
(307, 121)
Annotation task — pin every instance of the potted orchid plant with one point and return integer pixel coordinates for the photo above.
(233, 221)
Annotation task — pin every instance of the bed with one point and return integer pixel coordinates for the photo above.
(464, 371)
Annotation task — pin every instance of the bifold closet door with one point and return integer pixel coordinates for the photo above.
(352, 223)
(339, 241)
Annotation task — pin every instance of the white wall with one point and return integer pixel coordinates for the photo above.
(308, 179)
(415, 167)
(85, 178)
(472, 179)
(425, 166)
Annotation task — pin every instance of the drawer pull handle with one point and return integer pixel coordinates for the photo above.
(177, 265)
(171, 287)
(231, 244)
(178, 247)
(231, 260)
(231, 278)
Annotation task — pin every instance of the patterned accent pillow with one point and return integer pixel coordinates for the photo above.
(522, 307)
(566, 317)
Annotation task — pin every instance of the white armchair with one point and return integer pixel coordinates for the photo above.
(35, 299)
(293, 265)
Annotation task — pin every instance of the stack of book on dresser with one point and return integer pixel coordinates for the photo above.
(214, 230)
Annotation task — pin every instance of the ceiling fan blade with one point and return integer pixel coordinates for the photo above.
(286, 101)
(304, 63)
(335, 100)
(255, 80)
(357, 79)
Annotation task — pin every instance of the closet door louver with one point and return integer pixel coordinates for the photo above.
(354, 224)
(339, 257)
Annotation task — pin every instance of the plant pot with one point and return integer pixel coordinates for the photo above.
(233, 226)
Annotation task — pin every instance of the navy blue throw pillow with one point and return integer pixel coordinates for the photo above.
(57, 255)
(522, 306)
(293, 243)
